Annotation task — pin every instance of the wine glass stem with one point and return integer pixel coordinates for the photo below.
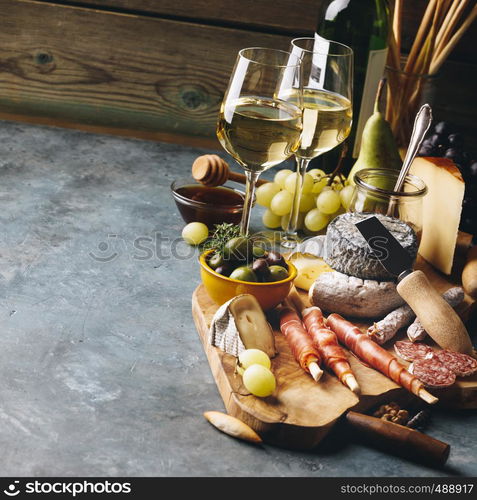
(251, 181)
(292, 227)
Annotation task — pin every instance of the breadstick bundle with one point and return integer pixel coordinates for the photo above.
(441, 28)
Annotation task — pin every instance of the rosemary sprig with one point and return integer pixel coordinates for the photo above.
(221, 235)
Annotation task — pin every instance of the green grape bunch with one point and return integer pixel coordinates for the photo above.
(321, 200)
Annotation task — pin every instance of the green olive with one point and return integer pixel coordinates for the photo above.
(259, 252)
(239, 248)
(216, 260)
(243, 273)
(277, 273)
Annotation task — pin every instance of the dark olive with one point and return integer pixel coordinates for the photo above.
(259, 252)
(239, 248)
(225, 269)
(276, 259)
(261, 269)
(216, 260)
(278, 273)
(243, 273)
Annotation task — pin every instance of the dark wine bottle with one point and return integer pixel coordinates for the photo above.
(363, 25)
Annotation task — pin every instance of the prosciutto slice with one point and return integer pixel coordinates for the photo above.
(301, 344)
(373, 354)
(326, 341)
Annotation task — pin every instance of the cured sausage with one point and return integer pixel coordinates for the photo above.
(331, 352)
(377, 357)
(432, 373)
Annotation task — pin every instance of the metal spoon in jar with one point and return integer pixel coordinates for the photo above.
(422, 123)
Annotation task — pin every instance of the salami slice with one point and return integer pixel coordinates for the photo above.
(461, 364)
(412, 350)
(432, 373)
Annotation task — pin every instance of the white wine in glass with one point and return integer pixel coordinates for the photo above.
(327, 76)
(260, 120)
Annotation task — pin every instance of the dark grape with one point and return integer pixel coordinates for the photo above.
(442, 128)
(473, 168)
(454, 155)
(437, 140)
(465, 159)
(427, 150)
(468, 225)
(469, 206)
(455, 140)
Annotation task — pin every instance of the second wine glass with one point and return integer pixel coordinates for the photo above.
(260, 117)
(327, 80)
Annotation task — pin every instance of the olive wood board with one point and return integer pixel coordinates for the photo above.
(301, 412)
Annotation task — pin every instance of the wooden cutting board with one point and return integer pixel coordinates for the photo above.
(301, 412)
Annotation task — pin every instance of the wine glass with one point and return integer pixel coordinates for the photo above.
(260, 117)
(327, 80)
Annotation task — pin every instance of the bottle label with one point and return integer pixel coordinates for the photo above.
(374, 72)
(321, 47)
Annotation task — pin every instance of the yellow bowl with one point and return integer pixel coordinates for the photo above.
(221, 288)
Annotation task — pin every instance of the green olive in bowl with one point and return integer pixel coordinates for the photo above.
(243, 273)
(277, 273)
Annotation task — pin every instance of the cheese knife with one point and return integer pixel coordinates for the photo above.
(438, 318)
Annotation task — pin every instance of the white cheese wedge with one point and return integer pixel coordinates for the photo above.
(308, 269)
(441, 210)
(241, 324)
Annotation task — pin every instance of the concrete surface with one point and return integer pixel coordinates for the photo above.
(102, 372)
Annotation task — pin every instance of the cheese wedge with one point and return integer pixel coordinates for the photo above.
(308, 269)
(441, 210)
(241, 324)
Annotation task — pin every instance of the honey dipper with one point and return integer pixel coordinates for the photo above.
(211, 170)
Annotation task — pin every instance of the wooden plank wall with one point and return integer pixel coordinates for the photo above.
(158, 68)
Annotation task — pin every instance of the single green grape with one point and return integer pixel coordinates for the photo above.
(290, 183)
(319, 185)
(307, 202)
(328, 202)
(345, 195)
(271, 220)
(259, 380)
(266, 192)
(195, 233)
(316, 220)
(251, 357)
(281, 176)
(317, 173)
(282, 203)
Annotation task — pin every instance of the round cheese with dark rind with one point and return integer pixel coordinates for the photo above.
(347, 252)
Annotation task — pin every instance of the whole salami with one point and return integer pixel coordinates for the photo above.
(461, 364)
(411, 351)
(432, 373)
